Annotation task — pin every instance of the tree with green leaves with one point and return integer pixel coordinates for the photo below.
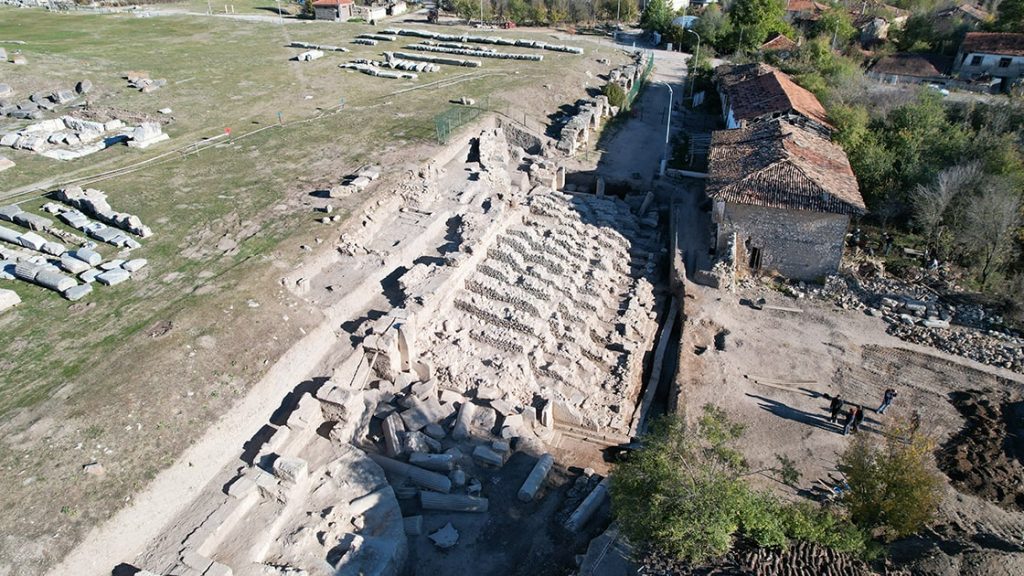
(465, 9)
(621, 10)
(1010, 16)
(714, 28)
(656, 17)
(308, 11)
(683, 494)
(753, 21)
(836, 26)
(894, 488)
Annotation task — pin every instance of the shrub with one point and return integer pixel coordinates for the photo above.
(683, 495)
(681, 492)
(616, 95)
(894, 488)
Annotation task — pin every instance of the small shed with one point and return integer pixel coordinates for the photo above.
(336, 10)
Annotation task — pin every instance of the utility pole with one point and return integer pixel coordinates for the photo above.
(668, 127)
(696, 57)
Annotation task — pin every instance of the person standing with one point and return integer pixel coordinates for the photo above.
(835, 407)
(887, 398)
(850, 414)
(858, 418)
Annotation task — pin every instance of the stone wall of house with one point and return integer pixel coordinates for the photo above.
(799, 244)
(326, 12)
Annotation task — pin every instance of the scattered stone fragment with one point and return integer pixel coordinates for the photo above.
(413, 525)
(241, 487)
(78, 292)
(435, 431)
(8, 299)
(135, 265)
(94, 469)
(445, 537)
(113, 277)
(292, 470)
(453, 502)
(488, 457)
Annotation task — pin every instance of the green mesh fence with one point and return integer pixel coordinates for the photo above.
(449, 121)
(649, 57)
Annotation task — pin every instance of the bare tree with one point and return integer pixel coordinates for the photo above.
(990, 222)
(932, 203)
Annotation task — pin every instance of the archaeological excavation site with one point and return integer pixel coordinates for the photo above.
(345, 288)
(504, 347)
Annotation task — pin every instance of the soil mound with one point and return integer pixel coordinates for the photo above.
(799, 559)
(985, 457)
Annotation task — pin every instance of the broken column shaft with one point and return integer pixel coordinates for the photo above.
(536, 478)
(452, 502)
(419, 476)
(436, 462)
(464, 420)
(392, 426)
(588, 507)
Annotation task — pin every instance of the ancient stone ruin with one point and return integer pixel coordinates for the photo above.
(71, 266)
(589, 114)
(497, 40)
(69, 137)
(531, 326)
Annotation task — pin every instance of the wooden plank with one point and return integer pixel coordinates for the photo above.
(782, 308)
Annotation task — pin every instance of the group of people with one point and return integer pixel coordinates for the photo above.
(859, 242)
(855, 414)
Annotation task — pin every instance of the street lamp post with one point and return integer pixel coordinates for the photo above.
(668, 127)
(696, 57)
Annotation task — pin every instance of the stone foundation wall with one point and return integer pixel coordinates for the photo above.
(798, 244)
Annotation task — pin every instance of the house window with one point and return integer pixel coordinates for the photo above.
(1005, 62)
(976, 61)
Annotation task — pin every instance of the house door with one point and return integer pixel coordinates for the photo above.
(755, 259)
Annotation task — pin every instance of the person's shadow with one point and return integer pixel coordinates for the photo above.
(783, 410)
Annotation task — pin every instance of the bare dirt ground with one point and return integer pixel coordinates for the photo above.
(775, 370)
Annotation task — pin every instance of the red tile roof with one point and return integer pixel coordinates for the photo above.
(1002, 43)
(778, 165)
(332, 2)
(779, 43)
(917, 65)
(729, 75)
(774, 93)
(805, 6)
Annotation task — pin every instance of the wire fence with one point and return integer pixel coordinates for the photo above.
(449, 121)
